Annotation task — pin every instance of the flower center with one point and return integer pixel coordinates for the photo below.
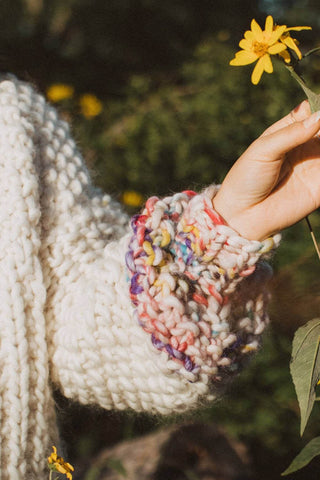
(260, 49)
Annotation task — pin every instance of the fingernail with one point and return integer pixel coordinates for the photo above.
(314, 118)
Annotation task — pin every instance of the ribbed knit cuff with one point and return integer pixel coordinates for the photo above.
(185, 265)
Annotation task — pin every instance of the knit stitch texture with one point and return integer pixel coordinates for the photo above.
(66, 315)
(185, 265)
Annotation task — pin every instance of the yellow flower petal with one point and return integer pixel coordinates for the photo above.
(257, 72)
(269, 24)
(276, 48)
(245, 44)
(286, 56)
(248, 35)
(298, 29)
(60, 468)
(243, 58)
(267, 64)
(53, 456)
(291, 43)
(278, 31)
(256, 30)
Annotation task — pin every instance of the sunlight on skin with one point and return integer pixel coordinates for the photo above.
(276, 182)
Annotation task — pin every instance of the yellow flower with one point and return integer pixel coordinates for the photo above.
(57, 464)
(90, 105)
(132, 198)
(258, 45)
(59, 91)
(291, 43)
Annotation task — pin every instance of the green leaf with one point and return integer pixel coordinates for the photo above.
(314, 98)
(305, 367)
(311, 450)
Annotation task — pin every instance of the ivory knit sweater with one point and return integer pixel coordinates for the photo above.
(66, 315)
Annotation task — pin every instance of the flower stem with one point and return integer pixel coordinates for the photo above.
(313, 237)
(314, 50)
(314, 101)
(313, 98)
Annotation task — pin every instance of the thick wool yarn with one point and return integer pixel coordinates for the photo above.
(66, 315)
(185, 265)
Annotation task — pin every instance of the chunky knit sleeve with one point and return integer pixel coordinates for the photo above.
(172, 334)
(155, 317)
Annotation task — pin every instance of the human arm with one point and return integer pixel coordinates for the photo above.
(191, 326)
(164, 382)
(276, 182)
(100, 351)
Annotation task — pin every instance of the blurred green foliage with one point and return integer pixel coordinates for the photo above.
(176, 115)
(188, 134)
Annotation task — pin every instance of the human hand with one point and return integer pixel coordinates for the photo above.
(276, 182)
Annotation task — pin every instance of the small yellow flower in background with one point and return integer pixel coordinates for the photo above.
(59, 91)
(57, 464)
(132, 198)
(90, 105)
(258, 45)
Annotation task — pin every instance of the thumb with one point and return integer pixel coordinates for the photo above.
(275, 145)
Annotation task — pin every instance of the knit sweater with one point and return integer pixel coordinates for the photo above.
(161, 334)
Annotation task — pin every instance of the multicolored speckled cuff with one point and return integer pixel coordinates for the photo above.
(184, 265)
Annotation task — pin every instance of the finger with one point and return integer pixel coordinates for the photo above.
(273, 146)
(299, 113)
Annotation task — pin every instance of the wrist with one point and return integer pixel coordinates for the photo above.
(244, 222)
